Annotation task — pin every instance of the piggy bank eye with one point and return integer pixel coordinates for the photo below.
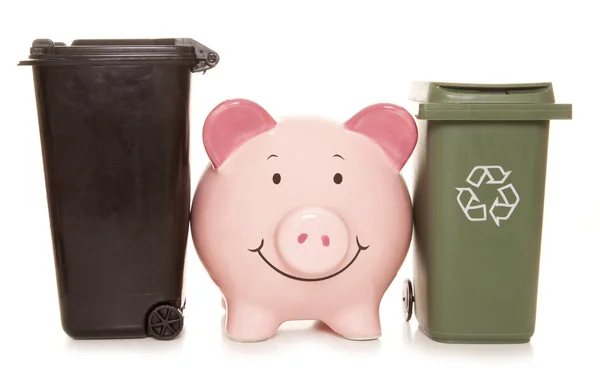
(276, 178)
(337, 178)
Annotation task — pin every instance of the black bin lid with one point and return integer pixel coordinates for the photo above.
(115, 51)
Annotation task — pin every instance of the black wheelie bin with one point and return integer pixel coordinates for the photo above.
(114, 131)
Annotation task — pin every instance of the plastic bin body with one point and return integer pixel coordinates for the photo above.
(114, 137)
(478, 208)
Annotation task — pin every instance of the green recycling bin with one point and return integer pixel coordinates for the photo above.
(478, 208)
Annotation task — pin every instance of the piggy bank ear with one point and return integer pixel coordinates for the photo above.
(231, 124)
(390, 126)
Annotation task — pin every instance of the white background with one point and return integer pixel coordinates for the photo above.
(325, 58)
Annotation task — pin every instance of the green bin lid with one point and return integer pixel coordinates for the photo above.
(489, 102)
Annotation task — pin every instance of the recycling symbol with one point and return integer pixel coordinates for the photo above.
(504, 204)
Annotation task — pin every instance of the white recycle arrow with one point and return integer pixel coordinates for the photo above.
(468, 208)
(487, 174)
(504, 203)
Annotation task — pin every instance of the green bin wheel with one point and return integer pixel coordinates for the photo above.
(408, 299)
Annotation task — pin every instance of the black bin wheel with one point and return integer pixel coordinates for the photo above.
(165, 322)
(408, 299)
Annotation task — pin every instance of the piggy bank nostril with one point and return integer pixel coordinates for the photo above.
(325, 240)
(302, 238)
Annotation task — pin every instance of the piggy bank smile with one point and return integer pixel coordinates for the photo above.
(303, 218)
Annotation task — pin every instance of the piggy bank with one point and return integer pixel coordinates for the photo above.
(303, 218)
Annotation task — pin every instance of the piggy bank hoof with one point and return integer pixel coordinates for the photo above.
(248, 323)
(359, 324)
(247, 340)
(250, 335)
(165, 323)
(362, 338)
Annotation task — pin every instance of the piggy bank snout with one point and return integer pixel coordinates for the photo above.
(313, 241)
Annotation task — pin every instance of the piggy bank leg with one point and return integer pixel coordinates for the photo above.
(357, 323)
(249, 323)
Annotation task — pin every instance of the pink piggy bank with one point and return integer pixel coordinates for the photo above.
(303, 219)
